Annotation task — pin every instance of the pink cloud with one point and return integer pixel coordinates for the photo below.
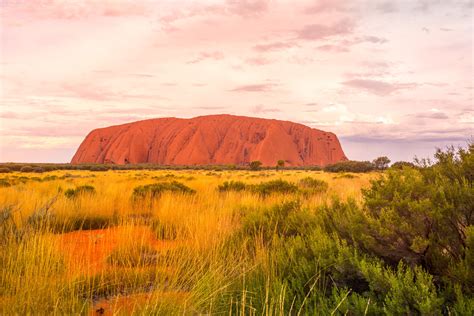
(323, 6)
(212, 55)
(264, 87)
(273, 46)
(259, 109)
(378, 87)
(316, 32)
(75, 10)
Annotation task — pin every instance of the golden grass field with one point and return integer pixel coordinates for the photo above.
(166, 256)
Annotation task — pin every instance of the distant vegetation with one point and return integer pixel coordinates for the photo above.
(380, 163)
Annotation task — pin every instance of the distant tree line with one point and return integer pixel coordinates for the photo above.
(378, 164)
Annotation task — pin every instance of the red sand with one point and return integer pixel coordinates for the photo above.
(86, 251)
(214, 139)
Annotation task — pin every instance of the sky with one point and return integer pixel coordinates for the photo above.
(389, 78)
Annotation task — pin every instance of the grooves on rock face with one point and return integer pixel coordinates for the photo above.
(214, 139)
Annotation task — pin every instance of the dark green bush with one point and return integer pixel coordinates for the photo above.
(255, 165)
(37, 169)
(228, 186)
(5, 170)
(156, 189)
(4, 183)
(81, 190)
(402, 164)
(350, 166)
(26, 169)
(274, 186)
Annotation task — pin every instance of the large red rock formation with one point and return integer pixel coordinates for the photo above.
(213, 139)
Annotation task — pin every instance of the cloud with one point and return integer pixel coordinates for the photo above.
(314, 32)
(386, 7)
(258, 109)
(257, 61)
(435, 115)
(333, 48)
(212, 55)
(324, 6)
(263, 87)
(274, 46)
(75, 10)
(374, 39)
(377, 87)
(247, 7)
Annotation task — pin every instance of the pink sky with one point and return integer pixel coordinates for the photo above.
(389, 78)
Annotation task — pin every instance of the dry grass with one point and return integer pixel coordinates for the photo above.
(62, 265)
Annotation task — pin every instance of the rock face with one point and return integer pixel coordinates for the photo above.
(213, 139)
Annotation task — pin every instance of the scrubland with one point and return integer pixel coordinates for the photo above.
(240, 242)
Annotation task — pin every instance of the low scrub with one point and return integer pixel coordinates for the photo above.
(157, 189)
(310, 185)
(350, 166)
(235, 186)
(273, 186)
(79, 191)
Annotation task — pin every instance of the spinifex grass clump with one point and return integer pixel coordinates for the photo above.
(4, 183)
(274, 186)
(228, 186)
(310, 185)
(80, 190)
(156, 189)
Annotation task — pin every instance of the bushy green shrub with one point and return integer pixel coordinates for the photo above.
(419, 216)
(80, 190)
(350, 166)
(38, 169)
(255, 165)
(26, 169)
(402, 164)
(228, 186)
(5, 170)
(156, 189)
(273, 186)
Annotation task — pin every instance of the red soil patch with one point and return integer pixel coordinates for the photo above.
(86, 251)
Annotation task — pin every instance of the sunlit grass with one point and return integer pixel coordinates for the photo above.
(63, 255)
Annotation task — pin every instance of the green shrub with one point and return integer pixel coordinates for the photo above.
(274, 186)
(402, 164)
(381, 163)
(37, 169)
(81, 190)
(4, 183)
(255, 165)
(345, 176)
(228, 186)
(419, 216)
(5, 170)
(26, 169)
(350, 166)
(156, 189)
